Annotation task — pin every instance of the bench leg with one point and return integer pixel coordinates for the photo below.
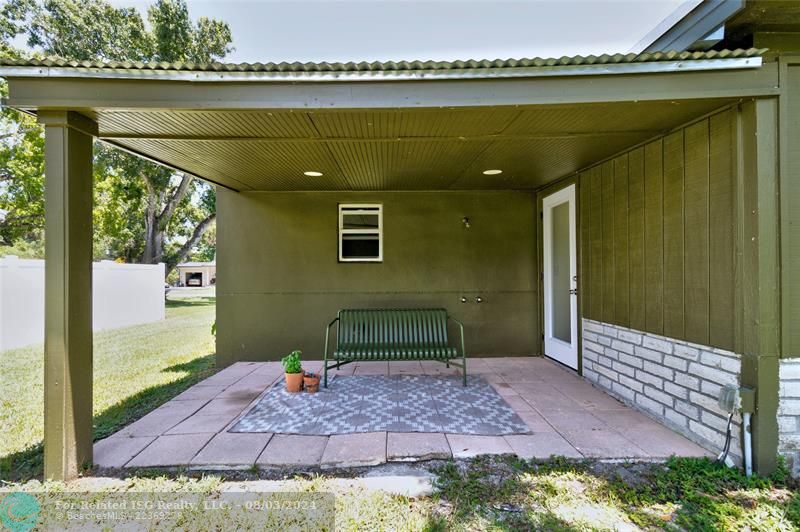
(447, 364)
(325, 373)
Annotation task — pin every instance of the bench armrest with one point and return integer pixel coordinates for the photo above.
(327, 335)
(461, 330)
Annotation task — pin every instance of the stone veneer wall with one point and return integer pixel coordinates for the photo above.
(673, 381)
(789, 414)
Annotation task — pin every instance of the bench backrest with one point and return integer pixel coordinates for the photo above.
(392, 327)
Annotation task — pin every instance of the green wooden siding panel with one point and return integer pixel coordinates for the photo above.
(636, 239)
(721, 232)
(696, 257)
(654, 237)
(596, 247)
(621, 295)
(673, 235)
(585, 272)
(607, 175)
(790, 227)
(658, 243)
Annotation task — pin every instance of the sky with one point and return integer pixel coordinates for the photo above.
(385, 30)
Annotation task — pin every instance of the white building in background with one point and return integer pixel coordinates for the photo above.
(197, 273)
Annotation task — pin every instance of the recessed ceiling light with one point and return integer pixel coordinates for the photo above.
(311, 173)
(492, 172)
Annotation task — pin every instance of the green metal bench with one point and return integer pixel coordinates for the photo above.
(393, 334)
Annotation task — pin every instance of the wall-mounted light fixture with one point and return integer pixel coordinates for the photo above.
(465, 221)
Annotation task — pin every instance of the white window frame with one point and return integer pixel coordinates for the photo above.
(361, 208)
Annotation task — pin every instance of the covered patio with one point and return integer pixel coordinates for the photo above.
(670, 286)
(566, 416)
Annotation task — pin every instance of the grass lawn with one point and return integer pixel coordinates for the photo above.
(683, 494)
(135, 370)
(487, 493)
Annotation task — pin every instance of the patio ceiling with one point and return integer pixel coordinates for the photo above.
(392, 149)
(389, 126)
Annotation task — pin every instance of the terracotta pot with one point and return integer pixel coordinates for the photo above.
(311, 382)
(294, 382)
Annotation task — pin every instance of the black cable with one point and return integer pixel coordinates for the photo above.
(727, 447)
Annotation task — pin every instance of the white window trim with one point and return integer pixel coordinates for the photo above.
(368, 208)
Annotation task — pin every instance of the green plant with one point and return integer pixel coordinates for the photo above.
(291, 362)
(214, 329)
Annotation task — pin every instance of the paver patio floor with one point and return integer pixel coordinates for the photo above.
(567, 416)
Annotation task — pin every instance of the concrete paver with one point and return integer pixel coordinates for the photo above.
(567, 416)
(416, 446)
(355, 450)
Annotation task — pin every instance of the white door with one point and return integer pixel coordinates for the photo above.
(560, 278)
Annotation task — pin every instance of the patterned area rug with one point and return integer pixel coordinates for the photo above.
(371, 403)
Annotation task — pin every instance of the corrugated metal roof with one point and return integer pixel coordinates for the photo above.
(389, 66)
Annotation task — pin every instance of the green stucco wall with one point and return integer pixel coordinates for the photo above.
(657, 235)
(279, 281)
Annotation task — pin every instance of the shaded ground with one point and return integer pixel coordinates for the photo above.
(136, 369)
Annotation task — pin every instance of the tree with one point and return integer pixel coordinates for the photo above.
(142, 209)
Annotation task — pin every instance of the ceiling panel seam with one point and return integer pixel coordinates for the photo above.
(330, 152)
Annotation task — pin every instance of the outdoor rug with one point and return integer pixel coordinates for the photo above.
(373, 403)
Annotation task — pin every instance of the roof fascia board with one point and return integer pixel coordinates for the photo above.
(88, 94)
(696, 24)
(385, 75)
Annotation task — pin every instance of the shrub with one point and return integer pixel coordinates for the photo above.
(291, 362)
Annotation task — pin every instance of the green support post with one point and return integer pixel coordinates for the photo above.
(758, 331)
(68, 293)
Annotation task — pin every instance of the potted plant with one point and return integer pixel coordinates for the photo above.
(293, 371)
(311, 382)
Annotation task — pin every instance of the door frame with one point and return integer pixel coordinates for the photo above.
(539, 198)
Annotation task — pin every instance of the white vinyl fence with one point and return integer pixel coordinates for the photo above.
(123, 294)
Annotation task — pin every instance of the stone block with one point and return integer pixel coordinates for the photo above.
(731, 365)
(675, 363)
(687, 409)
(622, 347)
(630, 360)
(659, 396)
(630, 337)
(684, 351)
(790, 389)
(649, 354)
(677, 391)
(593, 326)
(709, 373)
(687, 381)
(657, 344)
(631, 383)
(658, 369)
(649, 404)
(652, 380)
(623, 391)
(624, 369)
